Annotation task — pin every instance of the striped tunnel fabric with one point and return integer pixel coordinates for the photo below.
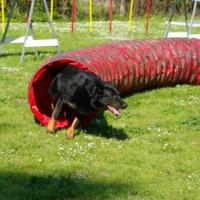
(132, 66)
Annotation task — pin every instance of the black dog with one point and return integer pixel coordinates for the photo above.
(83, 92)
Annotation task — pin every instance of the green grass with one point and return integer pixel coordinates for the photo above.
(151, 152)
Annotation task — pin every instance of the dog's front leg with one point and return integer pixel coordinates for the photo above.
(54, 116)
(70, 130)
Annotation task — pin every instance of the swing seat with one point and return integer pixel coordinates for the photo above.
(17, 40)
(177, 35)
(41, 43)
(197, 36)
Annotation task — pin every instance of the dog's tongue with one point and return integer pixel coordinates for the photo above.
(113, 110)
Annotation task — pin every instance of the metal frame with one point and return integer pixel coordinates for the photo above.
(173, 9)
(29, 28)
(193, 14)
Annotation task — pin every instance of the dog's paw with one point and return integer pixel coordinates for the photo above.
(69, 136)
(52, 131)
(51, 127)
(70, 133)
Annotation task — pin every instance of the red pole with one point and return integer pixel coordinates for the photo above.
(73, 14)
(148, 10)
(110, 16)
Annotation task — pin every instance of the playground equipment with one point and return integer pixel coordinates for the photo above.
(28, 39)
(3, 15)
(188, 25)
(51, 9)
(73, 14)
(91, 16)
(192, 24)
(148, 11)
(110, 16)
(132, 66)
(130, 16)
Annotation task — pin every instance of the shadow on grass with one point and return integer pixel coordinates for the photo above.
(100, 127)
(17, 186)
(30, 53)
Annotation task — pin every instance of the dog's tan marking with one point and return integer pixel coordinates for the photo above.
(70, 130)
(56, 111)
(51, 125)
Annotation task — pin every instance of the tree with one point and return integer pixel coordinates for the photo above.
(122, 9)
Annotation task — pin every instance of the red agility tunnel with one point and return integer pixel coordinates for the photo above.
(131, 65)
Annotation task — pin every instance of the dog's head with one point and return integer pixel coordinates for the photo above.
(110, 99)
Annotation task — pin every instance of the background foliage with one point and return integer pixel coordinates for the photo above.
(121, 8)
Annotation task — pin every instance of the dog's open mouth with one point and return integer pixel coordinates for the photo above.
(113, 110)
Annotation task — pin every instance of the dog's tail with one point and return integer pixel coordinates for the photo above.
(53, 87)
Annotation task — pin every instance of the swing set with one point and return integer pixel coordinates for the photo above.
(28, 40)
(73, 14)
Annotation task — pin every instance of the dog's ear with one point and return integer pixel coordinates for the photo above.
(100, 86)
(94, 89)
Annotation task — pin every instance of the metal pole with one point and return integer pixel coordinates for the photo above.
(148, 10)
(173, 8)
(7, 24)
(186, 18)
(27, 29)
(3, 15)
(49, 19)
(110, 16)
(192, 19)
(73, 14)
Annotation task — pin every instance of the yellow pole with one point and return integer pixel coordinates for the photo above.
(3, 15)
(90, 15)
(51, 13)
(130, 16)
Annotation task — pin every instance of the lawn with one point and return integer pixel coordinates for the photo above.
(151, 152)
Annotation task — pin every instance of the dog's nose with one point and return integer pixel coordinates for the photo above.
(124, 105)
